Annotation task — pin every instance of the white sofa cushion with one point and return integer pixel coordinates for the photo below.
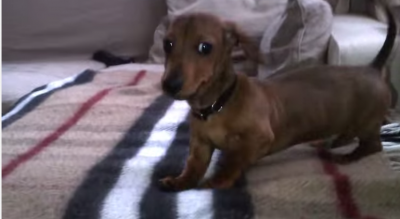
(355, 40)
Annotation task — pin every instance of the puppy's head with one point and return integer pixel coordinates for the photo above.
(198, 48)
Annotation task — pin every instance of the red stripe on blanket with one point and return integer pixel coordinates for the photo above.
(85, 107)
(343, 188)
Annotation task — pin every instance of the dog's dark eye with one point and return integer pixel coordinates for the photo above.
(204, 48)
(168, 45)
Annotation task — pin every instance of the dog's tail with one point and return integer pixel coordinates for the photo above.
(380, 60)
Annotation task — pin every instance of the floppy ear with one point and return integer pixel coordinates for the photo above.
(236, 37)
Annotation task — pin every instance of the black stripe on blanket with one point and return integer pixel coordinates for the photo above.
(87, 200)
(24, 105)
(156, 202)
(234, 203)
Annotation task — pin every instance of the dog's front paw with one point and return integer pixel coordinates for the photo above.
(173, 184)
(166, 183)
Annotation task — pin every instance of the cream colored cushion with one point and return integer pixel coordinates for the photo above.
(300, 36)
(274, 24)
(251, 16)
(340, 6)
(356, 40)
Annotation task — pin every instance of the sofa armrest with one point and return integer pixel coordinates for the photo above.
(394, 62)
(355, 40)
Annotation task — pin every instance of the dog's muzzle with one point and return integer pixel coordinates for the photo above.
(173, 84)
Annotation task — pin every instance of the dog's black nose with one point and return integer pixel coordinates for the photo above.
(173, 84)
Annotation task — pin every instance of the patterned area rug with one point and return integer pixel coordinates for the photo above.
(93, 146)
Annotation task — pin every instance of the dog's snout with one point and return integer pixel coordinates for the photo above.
(173, 84)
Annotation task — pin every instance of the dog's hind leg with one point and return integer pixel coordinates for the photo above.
(369, 143)
(331, 143)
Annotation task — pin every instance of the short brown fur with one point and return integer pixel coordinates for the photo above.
(261, 118)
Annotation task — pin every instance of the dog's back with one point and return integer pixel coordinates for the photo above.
(322, 101)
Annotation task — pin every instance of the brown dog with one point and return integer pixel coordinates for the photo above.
(247, 119)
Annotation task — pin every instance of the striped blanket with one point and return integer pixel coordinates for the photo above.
(93, 146)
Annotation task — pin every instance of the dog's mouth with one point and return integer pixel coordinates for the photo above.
(180, 96)
(189, 96)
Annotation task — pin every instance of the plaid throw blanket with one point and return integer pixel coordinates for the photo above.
(94, 146)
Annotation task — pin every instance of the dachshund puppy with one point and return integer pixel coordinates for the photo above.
(248, 119)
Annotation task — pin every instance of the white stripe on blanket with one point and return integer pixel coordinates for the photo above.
(124, 199)
(50, 87)
(197, 204)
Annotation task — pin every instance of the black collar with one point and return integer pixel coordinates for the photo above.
(217, 106)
